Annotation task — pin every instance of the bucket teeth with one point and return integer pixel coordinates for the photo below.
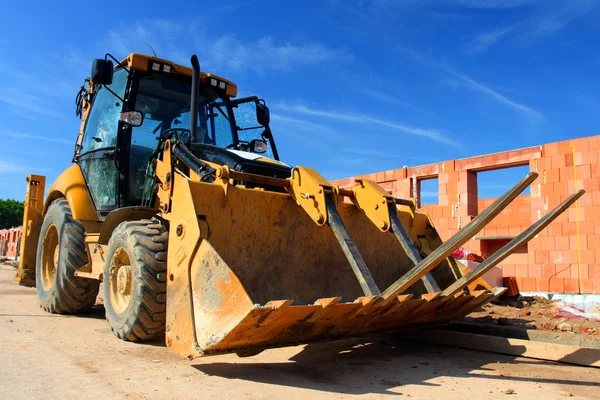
(223, 296)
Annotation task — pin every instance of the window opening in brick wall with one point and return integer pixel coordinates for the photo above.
(494, 183)
(427, 191)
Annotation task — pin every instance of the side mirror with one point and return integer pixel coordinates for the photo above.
(102, 72)
(258, 146)
(263, 115)
(133, 118)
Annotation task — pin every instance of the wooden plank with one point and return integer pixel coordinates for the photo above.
(515, 332)
(460, 238)
(512, 246)
(514, 347)
(409, 248)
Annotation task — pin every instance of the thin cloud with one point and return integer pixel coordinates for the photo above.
(461, 78)
(482, 42)
(15, 167)
(550, 20)
(377, 153)
(222, 52)
(473, 84)
(386, 98)
(542, 20)
(493, 3)
(365, 119)
(266, 53)
(322, 131)
(21, 135)
(19, 99)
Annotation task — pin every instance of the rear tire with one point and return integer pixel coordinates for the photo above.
(135, 280)
(61, 251)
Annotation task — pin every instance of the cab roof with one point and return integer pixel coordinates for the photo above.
(143, 62)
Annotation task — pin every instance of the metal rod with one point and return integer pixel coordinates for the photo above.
(195, 93)
(410, 249)
(360, 269)
(511, 246)
(265, 180)
(403, 202)
(459, 239)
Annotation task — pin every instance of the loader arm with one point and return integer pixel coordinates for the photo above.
(251, 268)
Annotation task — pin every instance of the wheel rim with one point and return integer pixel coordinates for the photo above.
(119, 281)
(49, 257)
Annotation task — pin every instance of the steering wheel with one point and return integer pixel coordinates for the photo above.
(184, 134)
(240, 145)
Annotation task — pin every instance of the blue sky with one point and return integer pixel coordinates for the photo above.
(353, 86)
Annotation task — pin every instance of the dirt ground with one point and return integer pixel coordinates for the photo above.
(51, 357)
(533, 313)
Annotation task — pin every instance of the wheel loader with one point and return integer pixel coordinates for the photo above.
(178, 203)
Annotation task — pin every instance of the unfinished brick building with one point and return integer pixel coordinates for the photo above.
(565, 257)
(10, 241)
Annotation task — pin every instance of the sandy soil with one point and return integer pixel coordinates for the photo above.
(51, 357)
(532, 313)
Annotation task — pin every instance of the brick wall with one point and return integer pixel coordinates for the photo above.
(10, 240)
(558, 259)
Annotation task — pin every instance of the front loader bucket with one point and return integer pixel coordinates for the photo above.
(249, 269)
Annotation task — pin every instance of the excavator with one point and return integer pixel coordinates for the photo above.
(177, 202)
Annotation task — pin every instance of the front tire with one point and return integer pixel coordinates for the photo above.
(135, 280)
(61, 251)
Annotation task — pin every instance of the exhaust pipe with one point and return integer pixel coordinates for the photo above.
(194, 99)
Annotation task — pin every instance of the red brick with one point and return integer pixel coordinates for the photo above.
(576, 214)
(547, 243)
(587, 256)
(547, 271)
(592, 213)
(591, 185)
(582, 270)
(553, 175)
(583, 172)
(550, 149)
(519, 282)
(521, 271)
(585, 201)
(594, 142)
(587, 227)
(593, 241)
(529, 285)
(595, 170)
(571, 285)
(558, 161)
(543, 284)
(565, 147)
(508, 270)
(589, 285)
(564, 270)
(593, 272)
(569, 228)
(534, 245)
(541, 257)
(557, 285)
(561, 242)
(533, 271)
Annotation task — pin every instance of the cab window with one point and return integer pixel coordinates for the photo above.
(103, 121)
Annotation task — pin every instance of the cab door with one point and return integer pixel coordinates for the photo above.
(96, 156)
(250, 126)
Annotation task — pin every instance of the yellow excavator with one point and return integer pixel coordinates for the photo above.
(178, 203)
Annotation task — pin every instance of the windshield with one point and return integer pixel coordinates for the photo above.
(164, 101)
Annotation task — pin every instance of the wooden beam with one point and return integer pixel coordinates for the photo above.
(463, 236)
(515, 347)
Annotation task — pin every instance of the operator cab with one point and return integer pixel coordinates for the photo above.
(147, 99)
